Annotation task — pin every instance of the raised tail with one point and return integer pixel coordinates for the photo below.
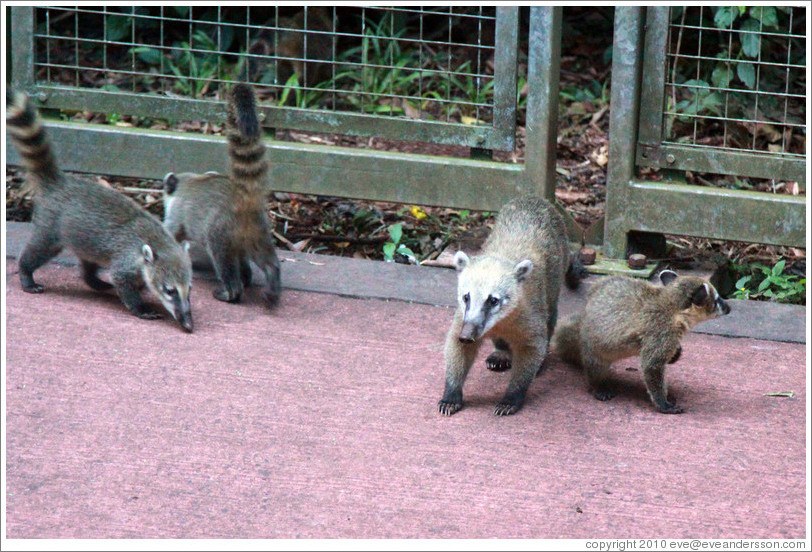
(566, 341)
(576, 271)
(29, 136)
(249, 168)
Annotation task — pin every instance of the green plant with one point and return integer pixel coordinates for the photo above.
(739, 63)
(303, 98)
(771, 283)
(194, 64)
(394, 246)
(384, 71)
(460, 86)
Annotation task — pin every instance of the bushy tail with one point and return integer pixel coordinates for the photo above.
(576, 271)
(249, 168)
(28, 135)
(566, 342)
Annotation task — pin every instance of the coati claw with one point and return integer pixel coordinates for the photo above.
(671, 408)
(149, 315)
(506, 409)
(498, 361)
(36, 288)
(448, 408)
(603, 394)
(224, 295)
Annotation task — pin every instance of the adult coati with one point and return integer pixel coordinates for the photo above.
(298, 43)
(509, 293)
(227, 215)
(625, 317)
(101, 226)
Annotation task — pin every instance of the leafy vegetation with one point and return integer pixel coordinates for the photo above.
(753, 35)
(770, 283)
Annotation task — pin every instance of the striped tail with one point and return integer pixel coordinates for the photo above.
(28, 135)
(249, 168)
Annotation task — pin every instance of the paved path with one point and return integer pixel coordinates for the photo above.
(319, 420)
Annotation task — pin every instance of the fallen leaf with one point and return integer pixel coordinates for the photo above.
(780, 394)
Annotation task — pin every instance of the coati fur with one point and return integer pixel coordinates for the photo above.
(101, 226)
(227, 215)
(508, 293)
(304, 35)
(625, 317)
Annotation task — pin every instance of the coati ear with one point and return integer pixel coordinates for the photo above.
(170, 183)
(460, 260)
(149, 256)
(667, 276)
(523, 269)
(701, 294)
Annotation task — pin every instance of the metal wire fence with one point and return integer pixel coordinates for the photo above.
(736, 79)
(433, 63)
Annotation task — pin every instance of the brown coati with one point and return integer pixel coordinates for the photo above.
(293, 39)
(101, 226)
(509, 293)
(227, 215)
(625, 317)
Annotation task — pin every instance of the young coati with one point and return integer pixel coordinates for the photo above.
(625, 317)
(508, 293)
(101, 226)
(227, 215)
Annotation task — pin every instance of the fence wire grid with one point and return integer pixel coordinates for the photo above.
(736, 79)
(434, 63)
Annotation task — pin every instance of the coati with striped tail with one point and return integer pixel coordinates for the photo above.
(101, 226)
(509, 293)
(227, 215)
(625, 317)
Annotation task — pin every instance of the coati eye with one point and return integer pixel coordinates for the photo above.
(172, 292)
(492, 301)
(466, 298)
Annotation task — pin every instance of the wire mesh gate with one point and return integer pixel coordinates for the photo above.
(441, 74)
(750, 126)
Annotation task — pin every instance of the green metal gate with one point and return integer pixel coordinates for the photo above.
(145, 76)
(649, 101)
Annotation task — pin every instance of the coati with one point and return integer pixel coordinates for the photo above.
(508, 293)
(292, 40)
(227, 215)
(101, 226)
(625, 317)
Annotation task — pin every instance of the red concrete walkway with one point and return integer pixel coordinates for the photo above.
(320, 420)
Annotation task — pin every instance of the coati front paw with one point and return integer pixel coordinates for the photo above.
(603, 394)
(447, 408)
(98, 284)
(670, 408)
(271, 297)
(498, 361)
(506, 408)
(147, 314)
(226, 295)
(33, 288)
